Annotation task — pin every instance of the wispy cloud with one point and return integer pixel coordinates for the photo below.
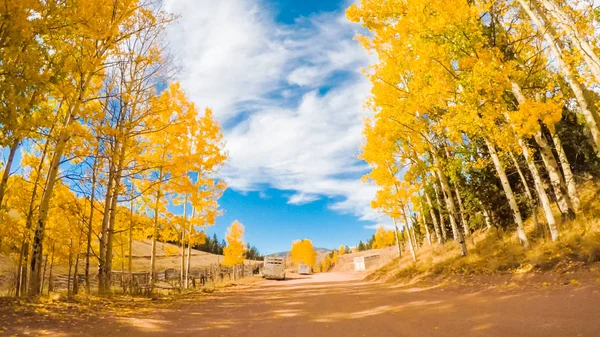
(388, 226)
(291, 97)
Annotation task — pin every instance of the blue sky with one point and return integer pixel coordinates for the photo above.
(283, 78)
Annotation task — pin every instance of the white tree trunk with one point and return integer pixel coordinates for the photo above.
(441, 211)
(189, 251)
(449, 198)
(182, 267)
(458, 236)
(397, 234)
(113, 214)
(532, 203)
(427, 235)
(568, 174)
(539, 185)
(464, 222)
(411, 248)
(44, 207)
(556, 178)
(509, 194)
(153, 255)
(104, 229)
(486, 216)
(436, 227)
(155, 234)
(549, 34)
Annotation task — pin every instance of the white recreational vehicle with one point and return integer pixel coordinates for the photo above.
(274, 268)
(304, 269)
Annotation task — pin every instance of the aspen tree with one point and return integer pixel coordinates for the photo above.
(303, 252)
(235, 252)
(549, 34)
(104, 28)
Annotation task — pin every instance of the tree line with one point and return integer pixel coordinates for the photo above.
(214, 246)
(485, 113)
(102, 146)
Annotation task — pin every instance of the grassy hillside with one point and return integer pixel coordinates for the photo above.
(167, 256)
(493, 252)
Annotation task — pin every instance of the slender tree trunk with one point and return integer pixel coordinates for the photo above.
(182, 266)
(414, 224)
(440, 211)
(130, 258)
(447, 194)
(38, 238)
(427, 235)
(59, 148)
(20, 269)
(155, 232)
(549, 34)
(153, 254)
(486, 216)
(188, 257)
(113, 212)
(8, 166)
(50, 275)
(509, 194)
(539, 185)
(110, 234)
(532, 203)
(75, 276)
(556, 178)
(568, 174)
(189, 250)
(411, 248)
(70, 267)
(464, 222)
(458, 199)
(416, 243)
(396, 235)
(29, 222)
(88, 249)
(436, 227)
(104, 230)
(44, 274)
(458, 236)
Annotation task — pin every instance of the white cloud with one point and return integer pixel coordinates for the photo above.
(229, 52)
(302, 198)
(291, 97)
(388, 226)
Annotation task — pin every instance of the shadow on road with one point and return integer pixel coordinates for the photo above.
(317, 306)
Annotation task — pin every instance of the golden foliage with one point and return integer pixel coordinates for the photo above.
(235, 252)
(303, 252)
(383, 238)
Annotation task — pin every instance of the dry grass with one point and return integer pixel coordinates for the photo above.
(167, 257)
(494, 251)
(346, 262)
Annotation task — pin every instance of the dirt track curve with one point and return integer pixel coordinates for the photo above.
(338, 305)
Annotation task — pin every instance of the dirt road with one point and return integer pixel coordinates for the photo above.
(340, 305)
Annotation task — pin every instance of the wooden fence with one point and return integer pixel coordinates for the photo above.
(166, 279)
